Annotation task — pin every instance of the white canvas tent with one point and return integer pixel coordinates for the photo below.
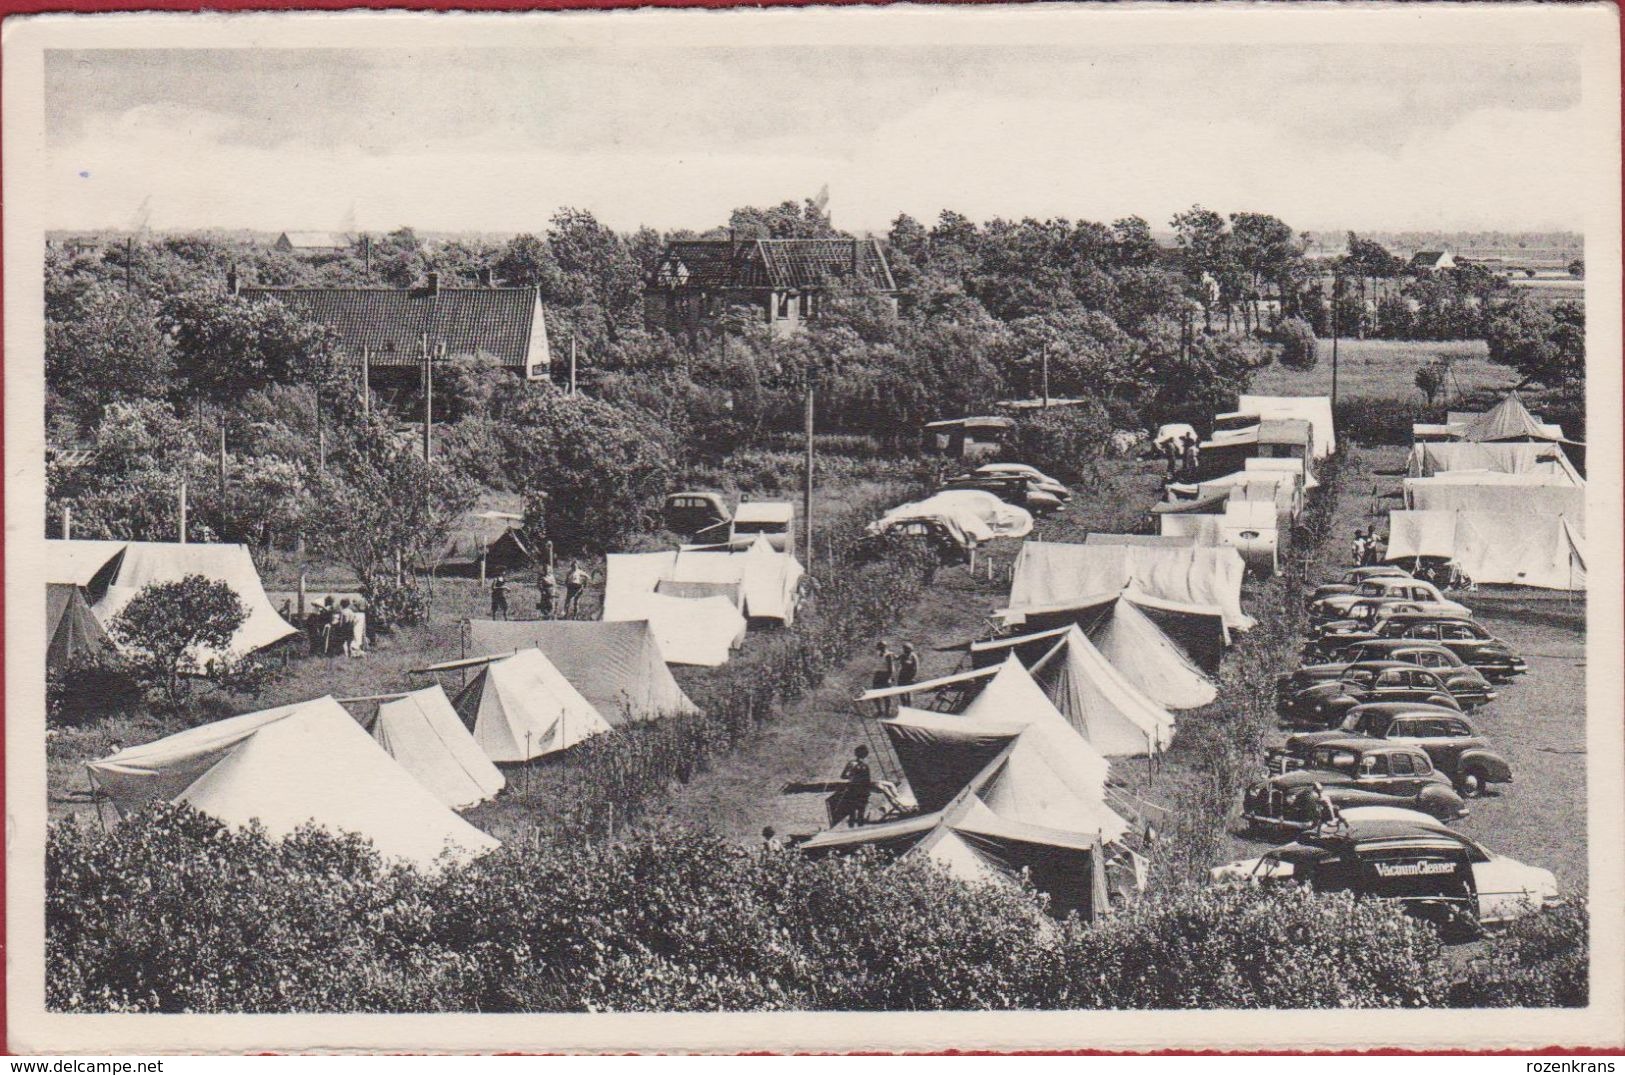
(288, 767)
(522, 707)
(1108, 710)
(1012, 696)
(1489, 491)
(1507, 421)
(1316, 410)
(618, 666)
(1432, 458)
(1049, 574)
(77, 563)
(768, 582)
(1511, 548)
(425, 735)
(701, 631)
(131, 565)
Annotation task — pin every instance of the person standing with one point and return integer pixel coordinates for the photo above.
(574, 583)
(544, 592)
(332, 623)
(885, 676)
(1189, 441)
(1357, 550)
(1170, 452)
(358, 628)
(853, 806)
(908, 671)
(499, 597)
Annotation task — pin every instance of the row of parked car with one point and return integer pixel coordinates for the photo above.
(1383, 755)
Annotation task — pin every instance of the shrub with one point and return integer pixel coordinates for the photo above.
(1064, 442)
(1384, 422)
(1297, 343)
(1542, 961)
(174, 633)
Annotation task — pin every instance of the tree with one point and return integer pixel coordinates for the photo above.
(1063, 441)
(1430, 378)
(226, 346)
(1267, 252)
(1543, 346)
(1207, 256)
(101, 345)
(1297, 344)
(787, 220)
(173, 633)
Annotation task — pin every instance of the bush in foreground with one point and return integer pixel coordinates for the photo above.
(171, 912)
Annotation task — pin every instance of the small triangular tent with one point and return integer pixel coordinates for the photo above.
(288, 767)
(771, 582)
(522, 707)
(1029, 785)
(72, 631)
(690, 630)
(1012, 697)
(1110, 712)
(1145, 656)
(618, 667)
(424, 733)
(1508, 420)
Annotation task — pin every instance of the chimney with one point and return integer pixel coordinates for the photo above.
(434, 283)
(232, 286)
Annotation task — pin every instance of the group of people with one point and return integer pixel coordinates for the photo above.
(336, 625)
(896, 669)
(1184, 456)
(1369, 548)
(548, 602)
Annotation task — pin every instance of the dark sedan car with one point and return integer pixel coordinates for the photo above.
(1352, 578)
(1325, 704)
(1453, 745)
(1465, 638)
(1351, 771)
(1465, 683)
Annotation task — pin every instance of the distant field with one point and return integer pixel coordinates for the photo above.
(1386, 369)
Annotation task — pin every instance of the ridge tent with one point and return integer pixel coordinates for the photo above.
(1196, 632)
(295, 765)
(78, 563)
(1012, 696)
(1047, 574)
(72, 631)
(768, 581)
(1315, 410)
(425, 735)
(1493, 547)
(522, 707)
(1470, 490)
(1113, 714)
(617, 666)
(135, 564)
(1508, 420)
(700, 631)
(1433, 457)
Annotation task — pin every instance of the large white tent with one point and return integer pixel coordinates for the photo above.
(423, 732)
(1432, 458)
(127, 566)
(1509, 420)
(1108, 710)
(1012, 696)
(522, 707)
(1512, 548)
(768, 582)
(302, 764)
(617, 666)
(1048, 574)
(700, 631)
(1490, 491)
(1316, 410)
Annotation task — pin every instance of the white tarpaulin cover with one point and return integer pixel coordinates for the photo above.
(971, 516)
(618, 667)
(1110, 712)
(769, 582)
(522, 707)
(287, 767)
(424, 733)
(78, 562)
(1479, 490)
(1287, 466)
(1316, 410)
(1248, 526)
(133, 564)
(1434, 457)
(690, 630)
(1509, 548)
(1047, 574)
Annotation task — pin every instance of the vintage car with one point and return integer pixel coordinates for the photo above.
(1452, 743)
(1465, 683)
(1036, 478)
(1353, 577)
(932, 534)
(1330, 637)
(1351, 771)
(1323, 705)
(1010, 488)
(696, 515)
(773, 519)
(1465, 638)
(1394, 588)
(1435, 872)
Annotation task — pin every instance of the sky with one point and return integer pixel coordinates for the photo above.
(496, 139)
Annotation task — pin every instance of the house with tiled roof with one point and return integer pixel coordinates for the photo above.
(697, 280)
(1433, 260)
(393, 326)
(310, 242)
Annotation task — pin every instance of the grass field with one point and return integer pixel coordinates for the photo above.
(1386, 369)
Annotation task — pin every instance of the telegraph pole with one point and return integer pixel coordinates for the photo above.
(183, 512)
(572, 363)
(1046, 375)
(807, 493)
(1334, 340)
(222, 473)
(428, 401)
(366, 381)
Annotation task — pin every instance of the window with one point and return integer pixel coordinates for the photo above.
(784, 306)
(1425, 630)
(806, 305)
(1402, 765)
(1374, 765)
(1431, 660)
(1427, 680)
(1391, 681)
(1375, 725)
(1424, 767)
(1457, 729)
(1430, 729)
(1458, 632)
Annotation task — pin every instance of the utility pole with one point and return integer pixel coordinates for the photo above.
(129, 263)
(807, 493)
(222, 473)
(572, 363)
(1046, 375)
(428, 401)
(1334, 341)
(366, 381)
(183, 512)
(67, 522)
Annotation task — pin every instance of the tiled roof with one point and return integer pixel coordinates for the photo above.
(391, 323)
(780, 264)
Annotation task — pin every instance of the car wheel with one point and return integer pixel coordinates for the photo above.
(1472, 783)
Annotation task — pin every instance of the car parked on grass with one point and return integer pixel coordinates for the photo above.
(1465, 683)
(1433, 871)
(1010, 488)
(697, 514)
(1323, 705)
(1353, 577)
(1351, 771)
(1464, 637)
(1036, 478)
(1452, 743)
(1393, 588)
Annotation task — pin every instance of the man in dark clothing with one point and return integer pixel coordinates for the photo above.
(1190, 456)
(1170, 452)
(908, 671)
(853, 807)
(499, 597)
(885, 676)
